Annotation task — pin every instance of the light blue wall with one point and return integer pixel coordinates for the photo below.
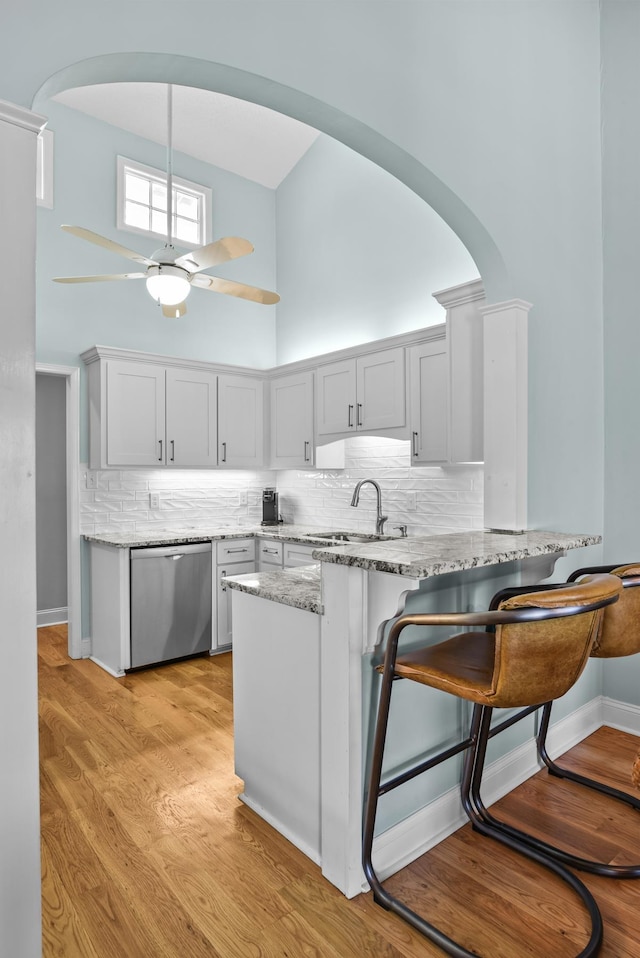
(70, 318)
(359, 255)
(621, 194)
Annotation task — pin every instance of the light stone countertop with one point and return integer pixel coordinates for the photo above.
(421, 557)
(167, 537)
(298, 587)
(418, 557)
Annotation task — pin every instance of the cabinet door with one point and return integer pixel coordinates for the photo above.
(336, 398)
(240, 428)
(223, 614)
(135, 414)
(380, 402)
(292, 421)
(429, 403)
(191, 418)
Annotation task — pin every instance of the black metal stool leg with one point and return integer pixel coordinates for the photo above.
(537, 844)
(561, 772)
(475, 748)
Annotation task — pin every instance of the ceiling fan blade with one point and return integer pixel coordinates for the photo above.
(230, 247)
(231, 288)
(174, 312)
(92, 237)
(97, 279)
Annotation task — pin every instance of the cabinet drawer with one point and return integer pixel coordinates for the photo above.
(269, 552)
(296, 554)
(235, 550)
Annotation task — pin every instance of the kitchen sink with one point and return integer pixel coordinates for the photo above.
(350, 537)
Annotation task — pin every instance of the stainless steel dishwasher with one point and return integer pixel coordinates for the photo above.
(170, 602)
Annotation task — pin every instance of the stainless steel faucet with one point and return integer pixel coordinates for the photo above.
(355, 499)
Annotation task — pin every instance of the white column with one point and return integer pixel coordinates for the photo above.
(505, 414)
(464, 342)
(20, 920)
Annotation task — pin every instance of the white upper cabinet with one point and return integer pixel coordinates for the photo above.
(240, 425)
(429, 372)
(149, 414)
(191, 417)
(135, 414)
(365, 394)
(157, 416)
(292, 421)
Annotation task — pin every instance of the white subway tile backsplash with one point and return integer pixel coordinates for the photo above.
(446, 498)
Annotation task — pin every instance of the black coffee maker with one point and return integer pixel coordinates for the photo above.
(270, 507)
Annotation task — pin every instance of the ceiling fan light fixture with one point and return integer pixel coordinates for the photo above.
(168, 285)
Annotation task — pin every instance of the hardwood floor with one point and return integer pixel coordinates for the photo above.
(148, 853)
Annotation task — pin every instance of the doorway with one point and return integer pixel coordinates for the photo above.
(59, 543)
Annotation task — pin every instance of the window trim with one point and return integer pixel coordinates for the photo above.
(44, 169)
(151, 172)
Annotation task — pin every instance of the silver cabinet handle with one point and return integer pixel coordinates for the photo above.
(235, 550)
(223, 573)
(173, 450)
(414, 439)
(270, 551)
(350, 417)
(160, 456)
(175, 557)
(359, 417)
(306, 450)
(224, 452)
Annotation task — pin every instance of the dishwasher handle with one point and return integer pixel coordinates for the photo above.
(177, 550)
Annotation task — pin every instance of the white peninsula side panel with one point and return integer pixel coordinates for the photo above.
(276, 704)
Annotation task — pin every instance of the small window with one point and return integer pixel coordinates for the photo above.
(142, 205)
(44, 169)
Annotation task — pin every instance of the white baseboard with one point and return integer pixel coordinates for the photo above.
(403, 843)
(621, 715)
(52, 617)
(279, 826)
(85, 648)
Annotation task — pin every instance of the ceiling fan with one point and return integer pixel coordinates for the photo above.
(169, 274)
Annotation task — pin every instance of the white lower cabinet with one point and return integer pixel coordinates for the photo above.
(269, 554)
(233, 557)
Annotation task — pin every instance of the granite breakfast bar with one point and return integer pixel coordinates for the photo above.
(306, 641)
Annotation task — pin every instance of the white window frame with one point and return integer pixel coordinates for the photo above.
(149, 172)
(44, 169)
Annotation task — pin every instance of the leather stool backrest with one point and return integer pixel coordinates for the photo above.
(620, 630)
(538, 661)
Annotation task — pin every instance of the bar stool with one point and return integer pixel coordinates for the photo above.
(534, 650)
(619, 635)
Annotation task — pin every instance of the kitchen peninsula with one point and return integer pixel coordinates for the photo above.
(306, 639)
(305, 645)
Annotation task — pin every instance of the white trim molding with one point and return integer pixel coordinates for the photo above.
(74, 585)
(20, 116)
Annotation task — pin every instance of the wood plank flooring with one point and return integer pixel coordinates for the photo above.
(148, 853)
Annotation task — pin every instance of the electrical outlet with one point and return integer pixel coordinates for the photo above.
(154, 500)
(243, 498)
(90, 479)
(412, 504)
